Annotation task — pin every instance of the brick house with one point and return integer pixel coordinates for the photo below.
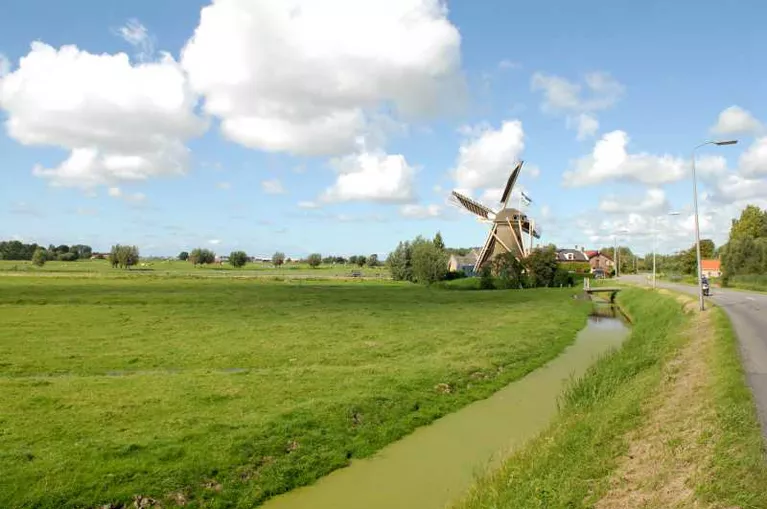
(600, 262)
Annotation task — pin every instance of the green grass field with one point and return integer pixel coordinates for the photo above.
(228, 391)
(166, 268)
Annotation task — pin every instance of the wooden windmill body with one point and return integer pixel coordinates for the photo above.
(509, 226)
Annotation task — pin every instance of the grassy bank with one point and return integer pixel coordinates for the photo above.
(752, 282)
(622, 437)
(235, 390)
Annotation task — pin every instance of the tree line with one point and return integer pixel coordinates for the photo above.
(745, 253)
(17, 250)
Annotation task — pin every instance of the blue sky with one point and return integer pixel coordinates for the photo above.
(268, 137)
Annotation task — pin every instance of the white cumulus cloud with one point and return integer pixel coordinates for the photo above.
(372, 176)
(309, 77)
(599, 91)
(736, 120)
(610, 160)
(120, 122)
(654, 201)
(413, 211)
(753, 162)
(487, 156)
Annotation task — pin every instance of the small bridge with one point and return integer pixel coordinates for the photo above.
(613, 291)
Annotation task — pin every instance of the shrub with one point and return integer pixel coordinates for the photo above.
(39, 257)
(238, 259)
(314, 260)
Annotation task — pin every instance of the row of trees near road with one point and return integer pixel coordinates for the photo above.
(745, 254)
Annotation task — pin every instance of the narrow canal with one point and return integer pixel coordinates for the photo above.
(437, 463)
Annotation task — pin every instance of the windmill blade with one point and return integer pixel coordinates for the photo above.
(510, 183)
(474, 206)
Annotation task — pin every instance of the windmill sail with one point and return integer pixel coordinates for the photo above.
(474, 206)
(510, 183)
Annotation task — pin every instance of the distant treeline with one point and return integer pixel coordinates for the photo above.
(745, 253)
(17, 250)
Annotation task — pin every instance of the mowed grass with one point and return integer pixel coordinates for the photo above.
(166, 268)
(225, 392)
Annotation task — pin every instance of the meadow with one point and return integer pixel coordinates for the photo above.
(222, 392)
(178, 268)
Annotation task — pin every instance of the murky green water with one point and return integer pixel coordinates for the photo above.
(437, 463)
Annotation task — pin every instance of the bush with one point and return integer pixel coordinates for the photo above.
(314, 260)
(183, 256)
(486, 281)
(451, 276)
(238, 259)
(39, 257)
(429, 262)
(201, 256)
(123, 256)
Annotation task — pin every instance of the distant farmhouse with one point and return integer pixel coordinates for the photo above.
(465, 263)
(711, 268)
(599, 263)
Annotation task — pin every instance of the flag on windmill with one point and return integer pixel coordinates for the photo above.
(525, 199)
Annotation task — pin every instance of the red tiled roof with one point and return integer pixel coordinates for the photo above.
(711, 264)
(591, 254)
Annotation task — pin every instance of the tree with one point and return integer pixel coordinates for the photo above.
(509, 270)
(202, 256)
(238, 258)
(278, 258)
(438, 242)
(314, 260)
(428, 261)
(123, 256)
(541, 265)
(373, 260)
(183, 256)
(486, 281)
(752, 223)
(399, 262)
(39, 257)
(361, 260)
(83, 252)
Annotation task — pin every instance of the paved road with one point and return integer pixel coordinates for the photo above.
(748, 313)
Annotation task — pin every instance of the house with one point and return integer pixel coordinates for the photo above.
(466, 263)
(571, 255)
(711, 268)
(600, 262)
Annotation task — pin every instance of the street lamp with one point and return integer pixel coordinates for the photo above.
(616, 255)
(695, 206)
(655, 244)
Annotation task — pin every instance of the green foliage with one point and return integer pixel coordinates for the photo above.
(202, 256)
(183, 256)
(17, 250)
(541, 265)
(752, 223)
(509, 271)
(486, 281)
(278, 258)
(400, 263)
(361, 260)
(238, 258)
(438, 242)
(428, 261)
(314, 260)
(39, 257)
(373, 261)
(576, 267)
(123, 256)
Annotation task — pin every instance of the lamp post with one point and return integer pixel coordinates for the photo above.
(616, 253)
(695, 206)
(655, 245)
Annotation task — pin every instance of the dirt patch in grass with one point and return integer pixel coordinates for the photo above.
(668, 455)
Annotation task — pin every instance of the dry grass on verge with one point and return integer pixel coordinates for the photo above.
(667, 456)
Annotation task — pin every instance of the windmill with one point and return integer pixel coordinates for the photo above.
(508, 224)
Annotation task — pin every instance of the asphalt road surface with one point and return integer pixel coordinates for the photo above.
(748, 313)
